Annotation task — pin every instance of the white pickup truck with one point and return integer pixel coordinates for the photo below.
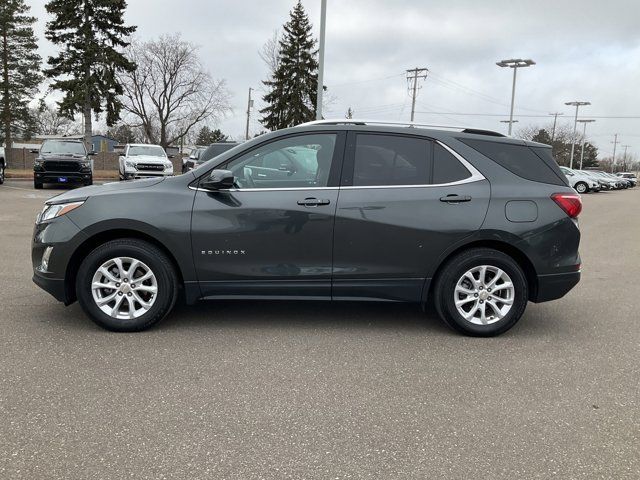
(143, 161)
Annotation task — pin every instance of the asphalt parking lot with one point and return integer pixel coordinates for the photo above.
(312, 390)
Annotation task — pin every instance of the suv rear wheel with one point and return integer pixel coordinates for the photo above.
(481, 292)
(126, 285)
(1, 172)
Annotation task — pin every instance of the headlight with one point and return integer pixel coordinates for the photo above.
(130, 164)
(85, 164)
(53, 211)
(37, 162)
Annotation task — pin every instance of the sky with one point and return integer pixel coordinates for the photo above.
(587, 50)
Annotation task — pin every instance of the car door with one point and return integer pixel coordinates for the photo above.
(270, 236)
(403, 201)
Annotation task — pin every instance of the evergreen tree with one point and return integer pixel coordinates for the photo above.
(293, 86)
(20, 69)
(206, 136)
(90, 33)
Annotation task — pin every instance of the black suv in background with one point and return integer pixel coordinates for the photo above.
(477, 222)
(62, 161)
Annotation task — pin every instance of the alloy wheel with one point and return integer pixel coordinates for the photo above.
(124, 288)
(484, 295)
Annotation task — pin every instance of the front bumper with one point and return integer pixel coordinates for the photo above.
(54, 286)
(554, 286)
(54, 177)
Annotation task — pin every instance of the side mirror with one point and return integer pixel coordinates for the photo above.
(219, 179)
(170, 156)
(92, 153)
(35, 150)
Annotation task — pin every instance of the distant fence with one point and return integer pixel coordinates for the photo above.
(22, 159)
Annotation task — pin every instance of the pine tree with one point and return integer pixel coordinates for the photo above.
(91, 32)
(20, 68)
(293, 87)
(206, 136)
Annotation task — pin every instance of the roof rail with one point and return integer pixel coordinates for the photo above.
(353, 121)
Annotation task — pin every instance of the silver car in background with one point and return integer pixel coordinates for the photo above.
(581, 182)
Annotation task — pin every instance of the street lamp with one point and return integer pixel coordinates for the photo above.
(514, 63)
(584, 133)
(576, 104)
(323, 23)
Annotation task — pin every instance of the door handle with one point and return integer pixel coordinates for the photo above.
(313, 202)
(453, 198)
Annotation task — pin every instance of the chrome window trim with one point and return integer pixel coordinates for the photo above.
(198, 189)
(476, 176)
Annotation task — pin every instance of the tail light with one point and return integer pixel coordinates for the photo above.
(570, 203)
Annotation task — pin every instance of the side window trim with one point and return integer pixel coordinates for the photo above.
(346, 181)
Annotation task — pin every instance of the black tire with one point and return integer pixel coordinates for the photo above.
(582, 187)
(37, 185)
(451, 273)
(1, 173)
(149, 254)
(88, 183)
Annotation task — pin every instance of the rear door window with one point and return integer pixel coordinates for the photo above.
(384, 160)
(446, 167)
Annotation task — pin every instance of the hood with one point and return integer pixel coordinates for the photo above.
(86, 192)
(147, 159)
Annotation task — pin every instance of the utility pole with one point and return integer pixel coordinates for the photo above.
(613, 160)
(249, 106)
(514, 63)
(576, 104)
(323, 21)
(624, 158)
(412, 77)
(555, 120)
(584, 136)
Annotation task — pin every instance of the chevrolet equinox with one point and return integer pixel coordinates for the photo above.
(478, 223)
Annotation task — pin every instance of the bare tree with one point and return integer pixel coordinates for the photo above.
(170, 92)
(48, 121)
(270, 52)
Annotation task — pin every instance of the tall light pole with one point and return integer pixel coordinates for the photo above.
(323, 21)
(576, 104)
(514, 63)
(249, 105)
(584, 134)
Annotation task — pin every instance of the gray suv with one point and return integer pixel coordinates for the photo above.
(473, 221)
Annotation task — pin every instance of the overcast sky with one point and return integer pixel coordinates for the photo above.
(584, 50)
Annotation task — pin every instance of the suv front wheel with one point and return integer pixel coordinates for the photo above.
(481, 292)
(126, 285)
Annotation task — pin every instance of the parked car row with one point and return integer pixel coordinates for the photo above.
(584, 181)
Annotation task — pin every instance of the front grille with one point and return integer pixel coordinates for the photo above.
(151, 167)
(52, 166)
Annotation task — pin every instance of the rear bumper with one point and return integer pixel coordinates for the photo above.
(554, 286)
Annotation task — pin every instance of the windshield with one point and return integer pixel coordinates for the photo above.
(62, 147)
(151, 150)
